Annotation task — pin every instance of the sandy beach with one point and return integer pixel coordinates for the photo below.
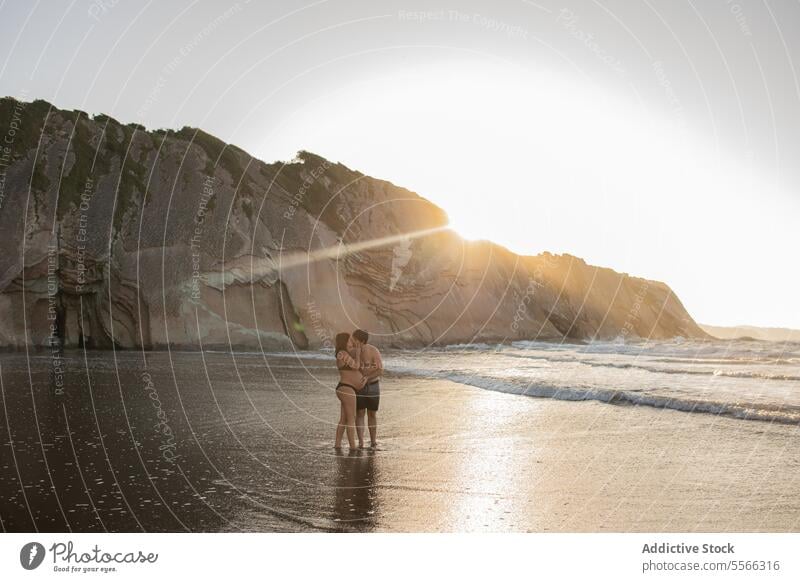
(209, 442)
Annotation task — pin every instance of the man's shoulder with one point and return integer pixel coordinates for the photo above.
(370, 352)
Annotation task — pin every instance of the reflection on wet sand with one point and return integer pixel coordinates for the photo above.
(355, 498)
(253, 452)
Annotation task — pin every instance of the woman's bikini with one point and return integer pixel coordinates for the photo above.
(345, 367)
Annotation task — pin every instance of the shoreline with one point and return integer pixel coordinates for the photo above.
(489, 341)
(783, 415)
(275, 349)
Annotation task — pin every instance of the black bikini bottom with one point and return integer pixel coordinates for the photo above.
(340, 384)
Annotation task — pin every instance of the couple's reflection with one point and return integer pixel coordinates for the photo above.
(355, 504)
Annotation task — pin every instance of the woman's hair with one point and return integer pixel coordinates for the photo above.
(341, 342)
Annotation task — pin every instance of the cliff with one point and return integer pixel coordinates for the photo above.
(767, 334)
(114, 235)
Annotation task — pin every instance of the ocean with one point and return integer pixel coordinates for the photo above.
(750, 380)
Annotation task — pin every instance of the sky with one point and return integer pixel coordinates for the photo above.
(658, 138)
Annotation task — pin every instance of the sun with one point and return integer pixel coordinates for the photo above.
(539, 160)
(467, 231)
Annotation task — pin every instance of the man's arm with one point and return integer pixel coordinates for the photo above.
(374, 368)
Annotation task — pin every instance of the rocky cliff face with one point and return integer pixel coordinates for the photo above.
(113, 235)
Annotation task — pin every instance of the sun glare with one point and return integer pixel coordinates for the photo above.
(466, 231)
(538, 161)
(507, 153)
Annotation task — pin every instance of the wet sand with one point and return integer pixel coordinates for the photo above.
(216, 443)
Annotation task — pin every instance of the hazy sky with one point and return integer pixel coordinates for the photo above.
(659, 138)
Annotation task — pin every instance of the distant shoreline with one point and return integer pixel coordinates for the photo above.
(752, 333)
(239, 348)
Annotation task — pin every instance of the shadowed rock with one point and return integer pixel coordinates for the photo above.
(176, 238)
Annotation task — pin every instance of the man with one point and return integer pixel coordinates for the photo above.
(368, 397)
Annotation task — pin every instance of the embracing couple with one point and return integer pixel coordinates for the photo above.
(360, 368)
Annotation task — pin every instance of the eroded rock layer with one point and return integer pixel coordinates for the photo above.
(113, 235)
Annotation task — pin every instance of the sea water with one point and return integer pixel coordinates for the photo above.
(753, 380)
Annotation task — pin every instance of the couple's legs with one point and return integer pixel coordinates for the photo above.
(347, 417)
(372, 422)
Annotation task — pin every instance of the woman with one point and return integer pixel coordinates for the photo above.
(351, 380)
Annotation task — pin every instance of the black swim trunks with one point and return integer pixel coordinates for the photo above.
(369, 397)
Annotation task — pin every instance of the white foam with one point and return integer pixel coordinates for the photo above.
(734, 381)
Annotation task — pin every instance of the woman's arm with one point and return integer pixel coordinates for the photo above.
(348, 360)
(343, 359)
(357, 367)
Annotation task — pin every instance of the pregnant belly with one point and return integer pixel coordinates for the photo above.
(351, 377)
